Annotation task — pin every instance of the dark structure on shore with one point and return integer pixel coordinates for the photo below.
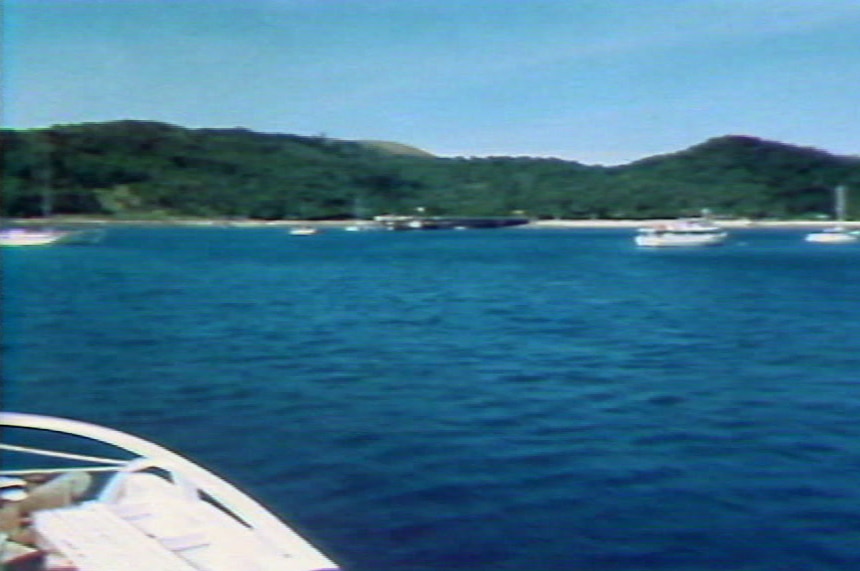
(448, 222)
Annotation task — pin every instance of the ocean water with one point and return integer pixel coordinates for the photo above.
(474, 401)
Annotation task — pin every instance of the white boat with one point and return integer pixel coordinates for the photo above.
(31, 237)
(145, 509)
(304, 231)
(358, 223)
(684, 232)
(837, 234)
(834, 235)
(47, 236)
(362, 227)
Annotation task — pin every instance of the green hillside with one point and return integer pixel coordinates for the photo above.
(395, 148)
(148, 169)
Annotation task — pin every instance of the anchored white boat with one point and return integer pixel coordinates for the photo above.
(304, 231)
(684, 232)
(362, 227)
(152, 510)
(30, 237)
(835, 235)
(47, 237)
(838, 234)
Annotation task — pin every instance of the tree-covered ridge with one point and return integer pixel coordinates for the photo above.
(145, 169)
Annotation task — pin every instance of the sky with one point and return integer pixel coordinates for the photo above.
(594, 81)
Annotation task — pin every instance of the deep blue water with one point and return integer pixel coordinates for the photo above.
(482, 400)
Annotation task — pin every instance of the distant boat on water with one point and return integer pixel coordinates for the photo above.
(359, 223)
(837, 234)
(362, 227)
(683, 232)
(393, 222)
(30, 237)
(304, 231)
(47, 236)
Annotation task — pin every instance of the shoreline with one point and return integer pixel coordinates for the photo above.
(536, 224)
(733, 224)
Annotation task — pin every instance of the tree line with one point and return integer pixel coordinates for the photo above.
(145, 169)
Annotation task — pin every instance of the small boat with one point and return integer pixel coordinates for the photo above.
(141, 508)
(358, 222)
(304, 231)
(47, 237)
(837, 234)
(683, 232)
(834, 235)
(362, 227)
(420, 222)
(31, 237)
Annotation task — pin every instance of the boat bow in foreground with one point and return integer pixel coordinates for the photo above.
(155, 510)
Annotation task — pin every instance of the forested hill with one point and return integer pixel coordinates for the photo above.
(146, 169)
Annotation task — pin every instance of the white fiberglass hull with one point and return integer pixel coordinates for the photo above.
(159, 510)
(832, 237)
(18, 237)
(27, 238)
(668, 240)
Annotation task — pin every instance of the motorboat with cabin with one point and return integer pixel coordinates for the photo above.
(682, 232)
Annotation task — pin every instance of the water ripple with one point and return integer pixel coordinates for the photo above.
(484, 401)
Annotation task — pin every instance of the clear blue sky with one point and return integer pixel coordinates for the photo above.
(596, 81)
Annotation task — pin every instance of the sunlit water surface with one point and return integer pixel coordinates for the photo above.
(478, 401)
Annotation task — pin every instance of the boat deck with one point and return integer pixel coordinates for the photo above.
(155, 511)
